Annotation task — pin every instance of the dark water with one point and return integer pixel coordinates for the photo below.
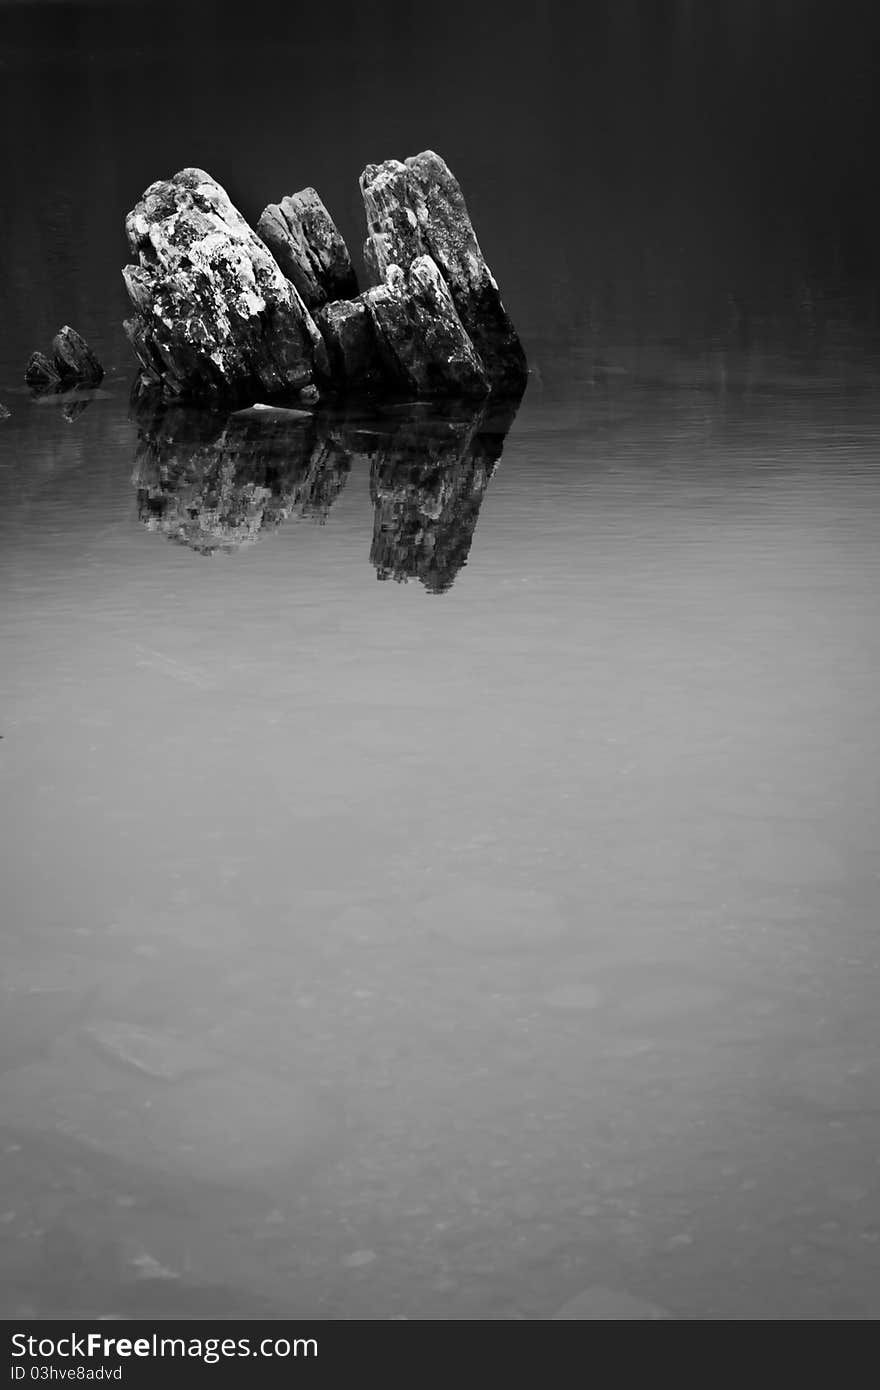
(444, 948)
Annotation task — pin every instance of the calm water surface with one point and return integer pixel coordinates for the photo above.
(442, 948)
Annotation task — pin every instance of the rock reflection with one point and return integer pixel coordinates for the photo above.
(216, 482)
(428, 477)
(71, 401)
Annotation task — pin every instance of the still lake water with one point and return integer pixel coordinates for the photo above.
(443, 948)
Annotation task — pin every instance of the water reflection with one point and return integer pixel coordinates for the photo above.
(216, 482)
(427, 483)
(71, 402)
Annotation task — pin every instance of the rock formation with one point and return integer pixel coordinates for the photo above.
(417, 208)
(222, 314)
(214, 315)
(41, 374)
(306, 243)
(72, 364)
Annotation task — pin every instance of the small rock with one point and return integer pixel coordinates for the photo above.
(74, 359)
(308, 247)
(599, 1304)
(41, 373)
(4, 412)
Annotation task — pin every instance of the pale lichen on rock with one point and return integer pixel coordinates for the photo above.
(221, 311)
(214, 314)
(417, 208)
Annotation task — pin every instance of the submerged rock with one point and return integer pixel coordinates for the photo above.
(215, 317)
(417, 208)
(307, 245)
(422, 342)
(5, 413)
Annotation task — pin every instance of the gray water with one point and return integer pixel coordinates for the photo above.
(444, 879)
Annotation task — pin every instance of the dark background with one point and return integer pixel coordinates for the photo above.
(670, 166)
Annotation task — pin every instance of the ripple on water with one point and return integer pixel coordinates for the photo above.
(599, 1304)
(230, 1124)
(483, 917)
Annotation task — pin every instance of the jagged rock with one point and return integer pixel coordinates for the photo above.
(393, 233)
(74, 359)
(417, 208)
(215, 317)
(307, 245)
(421, 340)
(215, 484)
(42, 374)
(352, 345)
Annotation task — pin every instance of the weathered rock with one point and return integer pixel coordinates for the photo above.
(394, 236)
(74, 359)
(41, 373)
(72, 364)
(307, 245)
(352, 346)
(416, 208)
(428, 478)
(215, 317)
(421, 339)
